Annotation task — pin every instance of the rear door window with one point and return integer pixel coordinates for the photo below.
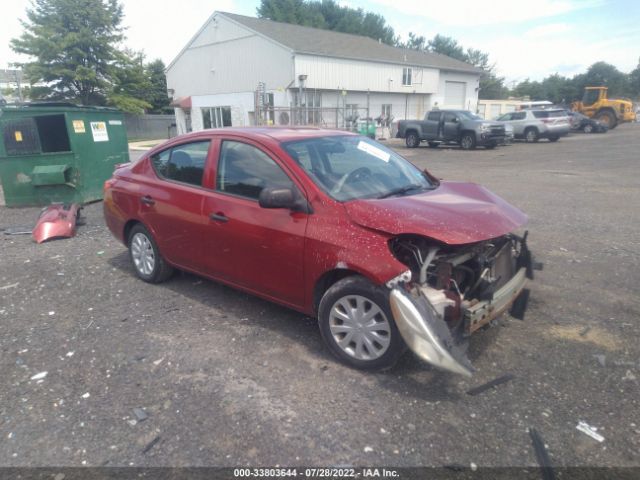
(183, 163)
(434, 116)
(518, 115)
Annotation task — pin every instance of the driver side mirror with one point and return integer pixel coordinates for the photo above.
(455, 120)
(275, 197)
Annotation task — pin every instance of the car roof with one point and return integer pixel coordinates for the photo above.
(280, 134)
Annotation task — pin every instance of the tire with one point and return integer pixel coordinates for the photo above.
(145, 256)
(588, 128)
(337, 316)
(554, 139)
(412, 140)
(468, 141)
(434, 144)
(531, 135)
(607, 118)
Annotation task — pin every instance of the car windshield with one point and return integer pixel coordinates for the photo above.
(468, 115)
(354, 167)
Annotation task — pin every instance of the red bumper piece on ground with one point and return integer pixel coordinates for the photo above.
(56, 221)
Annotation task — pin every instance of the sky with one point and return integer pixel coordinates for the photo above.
(524, 39)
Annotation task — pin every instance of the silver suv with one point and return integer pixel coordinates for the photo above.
(533, 125)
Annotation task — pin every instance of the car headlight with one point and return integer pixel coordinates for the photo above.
(485, 127)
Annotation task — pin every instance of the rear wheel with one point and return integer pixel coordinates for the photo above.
(468, 141)
(145, 256)
(607, 118)
(412, 140)
(531, 135)
(357, 325)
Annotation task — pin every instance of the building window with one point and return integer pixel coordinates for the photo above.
(406, 76)
(216, 117)
(386, 110)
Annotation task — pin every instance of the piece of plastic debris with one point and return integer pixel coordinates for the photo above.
(39, 376)
(602, 360)
(493, 383)
(86, 395)
(12, 285)
(542, 455)
(52, 313)
(151, 444)
(140, 414)
(133, 422)
(158, 362)
(101, 252)
(368, 449)
(629, 376)
(22, 230)
(473, 466)
(587, 429)
(69, 354)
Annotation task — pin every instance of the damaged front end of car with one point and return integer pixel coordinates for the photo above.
(449, 292)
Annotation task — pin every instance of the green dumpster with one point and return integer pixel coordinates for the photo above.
(367, 129)
(58, 152)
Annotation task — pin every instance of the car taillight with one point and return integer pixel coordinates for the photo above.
(108, 184)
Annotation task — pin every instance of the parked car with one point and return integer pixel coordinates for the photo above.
(451, 126)
(580, 122)
(532, 125)
(332, 224)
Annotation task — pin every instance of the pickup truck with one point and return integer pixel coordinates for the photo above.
(451, 126)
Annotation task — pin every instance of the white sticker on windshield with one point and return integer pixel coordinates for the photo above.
(375, 151)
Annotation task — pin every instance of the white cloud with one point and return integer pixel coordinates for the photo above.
(548, 30)
(475, 13)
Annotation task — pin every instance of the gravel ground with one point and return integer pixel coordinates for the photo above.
(228, 379)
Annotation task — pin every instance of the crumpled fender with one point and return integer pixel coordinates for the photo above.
(426, 334)
(56, 221)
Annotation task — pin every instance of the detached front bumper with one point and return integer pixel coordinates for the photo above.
(428, 335)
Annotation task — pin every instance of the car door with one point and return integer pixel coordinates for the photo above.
(253, 247)
(518, 120)
(451, 126)
(432, 125)
(171, 203)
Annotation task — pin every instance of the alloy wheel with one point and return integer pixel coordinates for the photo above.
(142, 253)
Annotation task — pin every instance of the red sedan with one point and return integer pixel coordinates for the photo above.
(331, 224)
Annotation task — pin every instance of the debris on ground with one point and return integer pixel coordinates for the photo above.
(140, 414)
(39, 376)
(602, 360)
(56, 221)
(542, 455)
(493, 383)
(368, 449)
(629, 376)
(585, 331)
(86, 395)
(21, 230)
(587, 429)
(12, 285)
(151, 444)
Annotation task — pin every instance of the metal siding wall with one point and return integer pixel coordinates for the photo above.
(238, 66)
(330, 73)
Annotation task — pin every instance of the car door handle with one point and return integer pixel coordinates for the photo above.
(147, 200)
(219, 217)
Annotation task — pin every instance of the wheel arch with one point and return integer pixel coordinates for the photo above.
(329, 278)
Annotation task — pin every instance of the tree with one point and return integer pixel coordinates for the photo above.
(131, 84)
(634, 82)
(328, 15)
(74, 46)
(157, 93)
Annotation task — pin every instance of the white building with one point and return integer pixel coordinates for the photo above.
(321, 74)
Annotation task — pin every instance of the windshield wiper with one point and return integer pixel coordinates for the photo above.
(401, 190)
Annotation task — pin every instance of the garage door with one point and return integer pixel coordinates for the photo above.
(454, 94)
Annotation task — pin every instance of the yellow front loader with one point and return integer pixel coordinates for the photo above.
(608, 111)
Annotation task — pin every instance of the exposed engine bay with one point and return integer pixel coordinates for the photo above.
(455, 290)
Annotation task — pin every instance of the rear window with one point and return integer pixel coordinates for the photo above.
(549, 113)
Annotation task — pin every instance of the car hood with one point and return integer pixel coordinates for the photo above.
(455, 213)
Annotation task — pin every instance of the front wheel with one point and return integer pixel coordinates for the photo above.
(145, 256)
(531, 135)
(412, 140)
(357, 325)
(468, 141)
(588, 128)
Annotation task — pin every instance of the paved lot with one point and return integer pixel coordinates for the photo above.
(228, 379)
